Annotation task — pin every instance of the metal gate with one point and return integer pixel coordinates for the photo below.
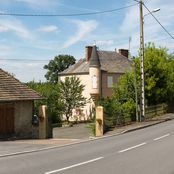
(6, 119)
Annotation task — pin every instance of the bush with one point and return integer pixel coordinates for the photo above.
(50, 93)
(91, 125)
(117, 113)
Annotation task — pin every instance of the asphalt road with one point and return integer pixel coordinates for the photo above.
(146, 151)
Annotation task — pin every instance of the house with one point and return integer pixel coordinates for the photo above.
(16, 108)
(98, 72)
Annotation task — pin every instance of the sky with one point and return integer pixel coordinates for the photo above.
(29, 43)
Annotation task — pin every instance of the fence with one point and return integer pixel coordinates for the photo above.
(155, 110)
(115, 120)
(119, 119)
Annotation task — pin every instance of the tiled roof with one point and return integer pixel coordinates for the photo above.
(12, 89)
(80, 67)
(113, 62)
(110, 61)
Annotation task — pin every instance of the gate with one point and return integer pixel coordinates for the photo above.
(6, 119)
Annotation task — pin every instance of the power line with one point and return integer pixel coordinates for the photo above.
(136, 1)
(158, 22)
(35, 60)
(64, 15)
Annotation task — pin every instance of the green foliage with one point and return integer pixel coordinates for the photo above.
(91, 126)
(124, 96)
(50, 93)
(120, 108)
(159, 74)
(159, 86)
(71, 95)
(92, 123)
(57, 65)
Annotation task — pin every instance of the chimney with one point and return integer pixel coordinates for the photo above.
(88, 52)
(124, 52)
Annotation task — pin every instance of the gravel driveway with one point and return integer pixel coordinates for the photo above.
(77, 131)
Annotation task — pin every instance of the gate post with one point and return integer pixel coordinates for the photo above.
(42, 122)
(99, 121)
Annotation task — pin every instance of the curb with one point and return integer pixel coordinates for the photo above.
(143, 127)
(83, 141)
(149, 125)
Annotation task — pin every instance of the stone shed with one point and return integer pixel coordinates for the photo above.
(16, 108)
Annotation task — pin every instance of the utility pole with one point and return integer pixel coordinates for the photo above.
(142, 92)
(136, 95)
(129, 45)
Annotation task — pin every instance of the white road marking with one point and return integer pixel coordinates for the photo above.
(133, 147)
(161, 137)
(75, 165)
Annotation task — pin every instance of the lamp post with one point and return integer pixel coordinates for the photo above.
(153, 11)
(142, 88)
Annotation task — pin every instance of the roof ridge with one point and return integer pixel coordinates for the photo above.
(116, 53)
(11, 86)
(9, 75)
(110, 61)
(74, 66)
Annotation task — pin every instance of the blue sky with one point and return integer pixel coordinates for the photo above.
(39, 39)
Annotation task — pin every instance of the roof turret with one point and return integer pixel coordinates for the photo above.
(94, 60)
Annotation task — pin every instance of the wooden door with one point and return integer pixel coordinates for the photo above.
(6, 119)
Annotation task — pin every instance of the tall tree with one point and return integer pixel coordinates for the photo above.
(57, 65)
(71, 95)
(159, 75)
(159, 83)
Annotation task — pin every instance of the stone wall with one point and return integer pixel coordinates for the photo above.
(23, 120)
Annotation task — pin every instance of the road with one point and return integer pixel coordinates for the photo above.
(149, 150)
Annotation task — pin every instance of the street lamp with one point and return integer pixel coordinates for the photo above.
(153, 11)
(142, 92)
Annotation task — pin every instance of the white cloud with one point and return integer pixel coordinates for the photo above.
(48, 29)
(104, 42)
(152, 30)
(36, 4)
(15, 26)
(4, 48)
(74, 7)
(22, 71)
(84, 28)
(3, 28)
(131, 20)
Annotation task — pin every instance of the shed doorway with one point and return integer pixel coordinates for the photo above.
(6, 119)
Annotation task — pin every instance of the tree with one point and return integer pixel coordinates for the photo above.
(71, 95)
(59, 64)
(159, 84)
(50, 94)
(159, 76)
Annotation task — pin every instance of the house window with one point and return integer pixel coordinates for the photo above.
(109, 81)
(94, 82)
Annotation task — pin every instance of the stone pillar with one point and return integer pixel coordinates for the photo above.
(42, 122)
(99, 121)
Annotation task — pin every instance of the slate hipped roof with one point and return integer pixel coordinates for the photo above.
(12, 89)
(94, 60)
(109, 61)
